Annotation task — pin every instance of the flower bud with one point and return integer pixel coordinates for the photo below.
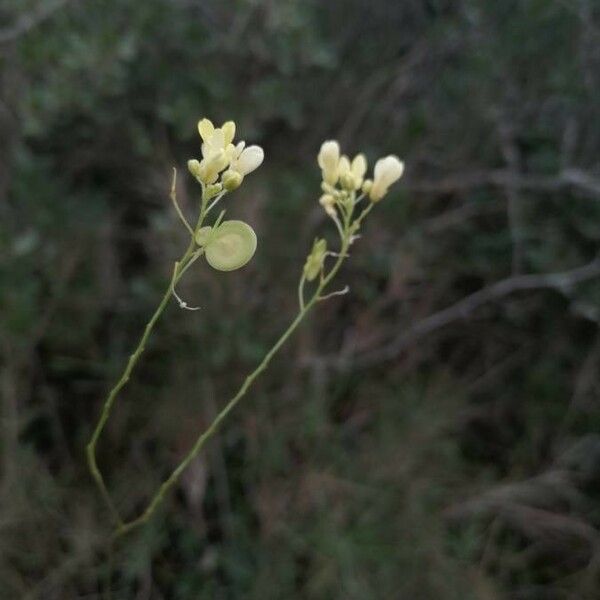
(315, 260)
(328, 159)
(194, 168)
(249, 160)
(327, 201)
(328, 189)
(359, 168)
(348, 181)
(202, 235)
(212, 190)
(387, 171)
(231, 180)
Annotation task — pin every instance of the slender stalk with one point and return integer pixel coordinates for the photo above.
(125, 528)
(301, 292)
(112, 396)
(347, 230)
(178, 271)
(173, 196)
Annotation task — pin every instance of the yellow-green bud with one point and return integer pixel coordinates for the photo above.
(327, 201)
(346, 199)
(212, 190)
(367, 185)
(194, 168)
(328, 189)
(348, 181)
(315, 260)
(232, 180)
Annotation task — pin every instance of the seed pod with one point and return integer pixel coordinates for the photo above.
(230, 246)
(314, 261)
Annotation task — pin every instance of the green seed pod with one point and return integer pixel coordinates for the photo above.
(314, 261)
(230, 246)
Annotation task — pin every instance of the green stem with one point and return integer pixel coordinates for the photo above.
(122, 528)
(301, 292)
(133, 359)
(125, 528)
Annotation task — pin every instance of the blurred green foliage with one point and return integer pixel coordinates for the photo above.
(462, 463)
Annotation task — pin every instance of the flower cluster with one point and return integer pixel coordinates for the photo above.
(226, 245)
(344, 186)
(343, 178)
(223, 165)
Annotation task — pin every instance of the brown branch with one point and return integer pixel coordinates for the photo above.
(459, 215)
(549, 490)
(514, 207)
(462, 309)
(582, 181)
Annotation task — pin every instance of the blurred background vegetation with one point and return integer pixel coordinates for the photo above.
(432, 435)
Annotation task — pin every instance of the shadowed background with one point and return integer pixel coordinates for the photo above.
(434, 434)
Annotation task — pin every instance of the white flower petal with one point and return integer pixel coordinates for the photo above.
(250, 159)
(238, 149)
(388, 170)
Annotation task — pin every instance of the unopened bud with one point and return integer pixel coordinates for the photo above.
(212, 190)
(328, 189)
(327, 201)
(367, 185)
(194, 168)
(202, 235)
(232, 180)
(348, 181)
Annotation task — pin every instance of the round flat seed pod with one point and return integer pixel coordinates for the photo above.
(231, 246)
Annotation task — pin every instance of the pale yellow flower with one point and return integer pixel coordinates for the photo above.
(246, 160)
(327, 201)
(328, 159)
(219, 153)
(351, 174)
(387, 171)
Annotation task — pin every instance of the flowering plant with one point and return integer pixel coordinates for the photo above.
(229, 245)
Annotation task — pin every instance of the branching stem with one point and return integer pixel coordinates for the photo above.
(347, 230)
(167, 485)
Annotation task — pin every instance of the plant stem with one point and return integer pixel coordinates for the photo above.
(346, 231)
(125, 528)
(180, 269)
